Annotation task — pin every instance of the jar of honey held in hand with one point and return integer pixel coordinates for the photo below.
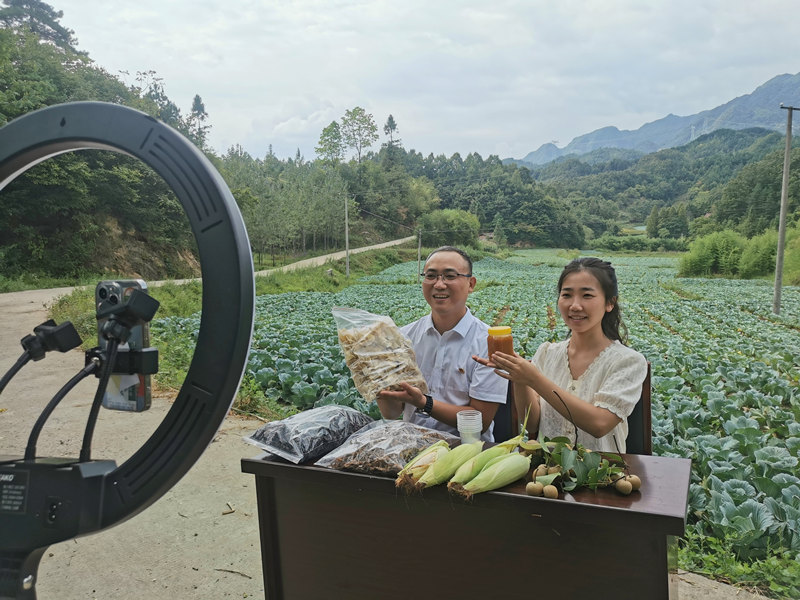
(500, 340)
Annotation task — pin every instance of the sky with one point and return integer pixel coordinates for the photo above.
(495, 77)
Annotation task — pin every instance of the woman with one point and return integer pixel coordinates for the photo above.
(591, 379)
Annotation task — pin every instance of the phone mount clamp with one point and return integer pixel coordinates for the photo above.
(55, 499)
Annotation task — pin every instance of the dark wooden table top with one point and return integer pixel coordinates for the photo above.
(660, 506)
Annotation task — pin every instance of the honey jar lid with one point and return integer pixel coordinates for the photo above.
(500, 330)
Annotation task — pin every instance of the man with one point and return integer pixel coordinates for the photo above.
(444, 342)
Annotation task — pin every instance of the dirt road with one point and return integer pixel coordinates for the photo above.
(200, 540)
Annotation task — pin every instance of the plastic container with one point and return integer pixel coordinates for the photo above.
(470, 425)
(500, 340)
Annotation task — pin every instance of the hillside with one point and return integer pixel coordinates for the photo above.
(757, 109)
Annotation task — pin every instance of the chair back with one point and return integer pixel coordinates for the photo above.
(640, 430)
(505, 418)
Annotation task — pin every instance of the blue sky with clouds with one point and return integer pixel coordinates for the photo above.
(500, 77)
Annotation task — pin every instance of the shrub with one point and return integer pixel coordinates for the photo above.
(638, 243)
(791, 260)
(758, 256)
(715, 254)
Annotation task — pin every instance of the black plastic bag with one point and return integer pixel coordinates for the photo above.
(310, 434)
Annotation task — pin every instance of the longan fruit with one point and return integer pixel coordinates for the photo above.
(636, 483)
(534, 488)
(623, 486)
(550, 491)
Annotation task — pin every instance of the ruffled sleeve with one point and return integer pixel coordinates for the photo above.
(621, 381)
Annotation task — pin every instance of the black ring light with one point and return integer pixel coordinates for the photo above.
(65, 499)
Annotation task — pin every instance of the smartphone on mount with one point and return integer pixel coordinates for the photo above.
(130, 392)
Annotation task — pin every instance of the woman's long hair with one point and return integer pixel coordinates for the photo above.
(613, 327)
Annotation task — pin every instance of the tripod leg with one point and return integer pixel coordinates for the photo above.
(18, 573)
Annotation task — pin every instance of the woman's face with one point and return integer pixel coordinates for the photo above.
(582, 302)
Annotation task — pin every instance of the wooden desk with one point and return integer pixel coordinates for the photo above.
(336, 535)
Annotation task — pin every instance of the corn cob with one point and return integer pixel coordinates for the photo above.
(444, 467)
(425, 456)
(476, 464)
(417, 466)
(502, 471)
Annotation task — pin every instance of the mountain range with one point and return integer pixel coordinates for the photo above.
(757, 109)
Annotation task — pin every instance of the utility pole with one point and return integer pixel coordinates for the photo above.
(419, 254)
(787, 160)
(346, 239)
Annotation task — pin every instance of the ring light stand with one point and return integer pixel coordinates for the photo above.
(49, 500)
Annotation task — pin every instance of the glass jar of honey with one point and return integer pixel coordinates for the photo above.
(500, 340)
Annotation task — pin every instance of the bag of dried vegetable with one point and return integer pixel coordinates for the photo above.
(383, 447)
(309, 434)
(378, 355)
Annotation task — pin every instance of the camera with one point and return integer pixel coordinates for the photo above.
(129, 385)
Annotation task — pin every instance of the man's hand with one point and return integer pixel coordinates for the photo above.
(407, 395)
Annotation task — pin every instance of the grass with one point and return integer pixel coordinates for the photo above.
(78, 306)
(33, 281)
(775, 576)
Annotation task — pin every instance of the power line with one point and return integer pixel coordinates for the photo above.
(385, 219)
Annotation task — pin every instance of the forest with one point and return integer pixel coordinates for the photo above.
(98, 211)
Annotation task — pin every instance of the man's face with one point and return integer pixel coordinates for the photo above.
(447, 298)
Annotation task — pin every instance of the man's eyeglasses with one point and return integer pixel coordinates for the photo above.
(447, 276)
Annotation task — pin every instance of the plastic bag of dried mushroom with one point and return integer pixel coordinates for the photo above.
(378, 355)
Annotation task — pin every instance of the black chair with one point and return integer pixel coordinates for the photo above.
(640, 433)
(505, 418)
(640, 425)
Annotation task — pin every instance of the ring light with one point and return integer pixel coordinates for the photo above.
(63, 498)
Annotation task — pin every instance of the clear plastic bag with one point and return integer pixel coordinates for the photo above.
(378, 355)
(309, 435)
(383, 447)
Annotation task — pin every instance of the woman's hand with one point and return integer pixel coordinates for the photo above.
(513, 367)
(483, 361)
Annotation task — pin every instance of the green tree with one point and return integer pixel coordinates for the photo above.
(151, 87)
(499, 233)
(449, 227)
(195, 122)
(85, 211)
(653, 223)
(331, 145)
(715, 254)
(758, 256)
(40, 19)
(359, 130)
(390, 149)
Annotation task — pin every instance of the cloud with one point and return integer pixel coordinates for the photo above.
(458, 76)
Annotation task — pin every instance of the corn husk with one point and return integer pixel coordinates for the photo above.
(513, 442)
(444, 467)
(500, 472)
(476, 464)
(417, 466)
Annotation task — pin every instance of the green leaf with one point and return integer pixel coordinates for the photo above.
(767, 486)
(773, 458)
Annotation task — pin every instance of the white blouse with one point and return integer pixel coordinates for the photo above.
(613, 381)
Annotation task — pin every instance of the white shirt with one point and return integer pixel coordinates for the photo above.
(447, 366)
(613, 381)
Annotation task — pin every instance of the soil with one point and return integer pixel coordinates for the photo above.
(199, 540)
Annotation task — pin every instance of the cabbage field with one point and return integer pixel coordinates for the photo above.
(725, 373)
